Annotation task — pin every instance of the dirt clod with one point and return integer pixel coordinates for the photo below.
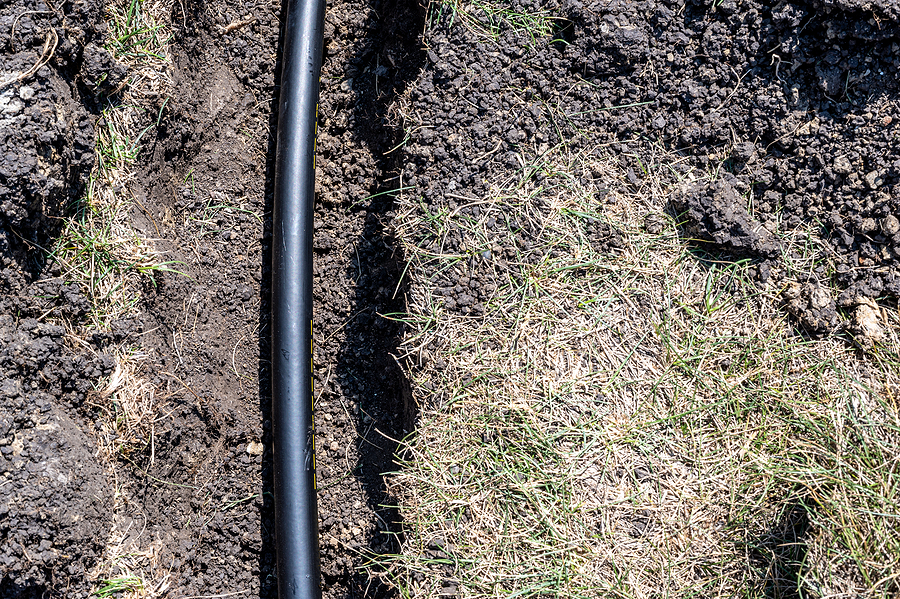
(812, 305)
(866, 324)
(715, 215)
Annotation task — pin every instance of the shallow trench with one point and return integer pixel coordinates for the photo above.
(208, 334)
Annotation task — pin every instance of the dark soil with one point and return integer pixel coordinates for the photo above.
(716, 213)
(54, 494)
(204, 486)
(796, 102)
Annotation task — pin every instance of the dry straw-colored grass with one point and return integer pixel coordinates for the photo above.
(642, 422)
(129, 406)
(132, 568)
(100, 251)
(98, 248)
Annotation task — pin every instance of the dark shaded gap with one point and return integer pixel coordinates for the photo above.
(268, 583)
(389, 60)
(778, 556)
(11, 589)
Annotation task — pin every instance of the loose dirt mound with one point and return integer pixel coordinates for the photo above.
(797, 100)
(56, 495)
(793, 106)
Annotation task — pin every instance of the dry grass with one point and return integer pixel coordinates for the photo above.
(130, 406)
(139, 38)
(633, 423)
(98, 248)
(131, 568)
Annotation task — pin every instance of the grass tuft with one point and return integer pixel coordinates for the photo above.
(129, 573)
(138, 37)
(129, 406)
(491, 19)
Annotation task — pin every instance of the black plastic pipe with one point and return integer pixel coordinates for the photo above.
(296, 519)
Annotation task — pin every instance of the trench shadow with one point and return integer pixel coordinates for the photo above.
(389, 59)
(11, 589)
(268, 583)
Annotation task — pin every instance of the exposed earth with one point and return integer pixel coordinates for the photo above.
(792, 106)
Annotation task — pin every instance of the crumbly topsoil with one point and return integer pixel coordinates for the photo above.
(794, 101)
(55, 493)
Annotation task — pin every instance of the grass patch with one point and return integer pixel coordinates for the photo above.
(100, 251)
(626, 417)
(129, 405)
(98, 248)
(491, 19)
(139, 38)
(129, 573)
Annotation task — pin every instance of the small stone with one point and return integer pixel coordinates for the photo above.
(254, 448)
(842, 166)
(11, 107)
(890, 226)
(642, 474)
(866, 324)
(819, 297)
(792, 290)
(654, 223)
(867, 225)
(26, 92)
(334, 446)
(874, 180)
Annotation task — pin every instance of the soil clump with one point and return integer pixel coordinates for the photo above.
(715, 213)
